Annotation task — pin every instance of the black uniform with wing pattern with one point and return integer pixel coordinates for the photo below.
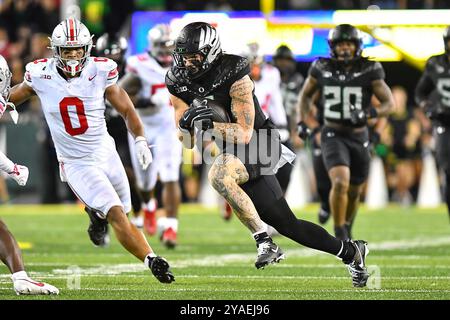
(215, 85)
(341, 87)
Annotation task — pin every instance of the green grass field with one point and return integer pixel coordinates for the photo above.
(410, 253)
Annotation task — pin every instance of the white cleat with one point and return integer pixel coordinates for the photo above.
(27, 286)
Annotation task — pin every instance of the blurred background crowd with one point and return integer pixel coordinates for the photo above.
(25, 26)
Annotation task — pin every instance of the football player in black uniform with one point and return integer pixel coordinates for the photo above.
(346, 82)
(244, 179)
(433, 95)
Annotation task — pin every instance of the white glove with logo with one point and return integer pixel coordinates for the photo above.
(19, 174)
(143, 152)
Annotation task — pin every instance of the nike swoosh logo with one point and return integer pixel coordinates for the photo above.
(275, 250)
(90, 78)
(39, 284)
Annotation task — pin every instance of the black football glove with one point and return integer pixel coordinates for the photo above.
(359, 117)
(303, 131)
(198, 111)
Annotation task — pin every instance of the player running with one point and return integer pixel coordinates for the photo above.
(72, 87)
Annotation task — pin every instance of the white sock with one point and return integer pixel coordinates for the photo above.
(6, 164)
(19, 275)
(151, 205)
(172, 222)
(148, 258)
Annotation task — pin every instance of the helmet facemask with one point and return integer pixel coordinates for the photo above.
(72, 66)
(341, 33)
(197, 65)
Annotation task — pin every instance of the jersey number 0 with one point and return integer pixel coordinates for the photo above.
(79, 107)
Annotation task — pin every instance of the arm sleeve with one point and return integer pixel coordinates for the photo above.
(314, 70)
(27, 76)
(377, 72)
(112, 74)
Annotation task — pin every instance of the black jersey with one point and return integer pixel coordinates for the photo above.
(215, 84)
(341, 88)
(434, 86)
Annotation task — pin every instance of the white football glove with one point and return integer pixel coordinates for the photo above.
(19, 174)
(30, 287)
(143, 152)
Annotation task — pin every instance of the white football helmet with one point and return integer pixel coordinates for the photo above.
(161, 44)
(5, 78)
(71, 33)
(252, 51)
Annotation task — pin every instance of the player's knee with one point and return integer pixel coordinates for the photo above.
(340, 184)
(116, 217)
(219, 177)
(353, 194)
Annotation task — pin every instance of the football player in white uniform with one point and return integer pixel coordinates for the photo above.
(145, 81)
(9, 249)
(72, 86)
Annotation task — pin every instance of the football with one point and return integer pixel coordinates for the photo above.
(220, 114)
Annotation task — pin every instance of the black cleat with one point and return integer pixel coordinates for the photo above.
(161, 270)
(268, 252)
(357, 267)
(323, 216)
(98, 229)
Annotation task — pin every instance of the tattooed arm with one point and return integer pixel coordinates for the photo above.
(243, 109)
(186, 138)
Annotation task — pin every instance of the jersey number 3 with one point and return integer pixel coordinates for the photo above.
(338, 100)
(79, 107)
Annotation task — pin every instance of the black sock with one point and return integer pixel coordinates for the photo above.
(349, 226)
(347, 253)
(341, 233)
(306, 233)
(262, 237)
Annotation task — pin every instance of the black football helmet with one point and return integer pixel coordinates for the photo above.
(284, 52)
(112, 47)
(446, 37)
(197, 38)
(345, 32)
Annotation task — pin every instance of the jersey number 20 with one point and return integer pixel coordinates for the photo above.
(338, 100)
(79, 107)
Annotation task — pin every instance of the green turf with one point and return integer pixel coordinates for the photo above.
(409, 248)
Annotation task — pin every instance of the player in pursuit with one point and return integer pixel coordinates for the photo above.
(71, 87)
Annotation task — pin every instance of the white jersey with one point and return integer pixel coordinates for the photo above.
(268, 92)
(75, 108)
(153, 85)
(159, 123)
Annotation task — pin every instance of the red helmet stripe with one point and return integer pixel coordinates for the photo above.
(71, 30)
